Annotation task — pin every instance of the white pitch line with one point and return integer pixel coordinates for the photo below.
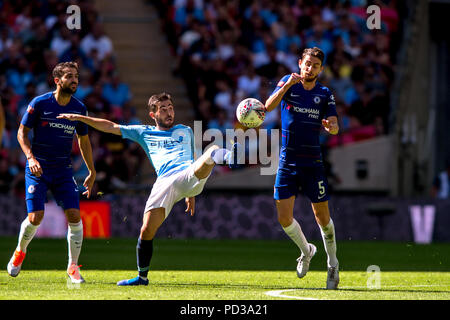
(279, 293)
(401, 286)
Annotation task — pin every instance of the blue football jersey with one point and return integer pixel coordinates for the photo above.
(302, 112)
(53, 138)
(169, 151)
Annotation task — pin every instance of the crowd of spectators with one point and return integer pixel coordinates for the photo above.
(225, 50)
(34, 37)
(230, 50)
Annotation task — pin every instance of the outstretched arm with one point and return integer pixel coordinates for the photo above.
(97, 123)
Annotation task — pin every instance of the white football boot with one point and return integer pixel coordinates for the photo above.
(333, 277)
(304, 260)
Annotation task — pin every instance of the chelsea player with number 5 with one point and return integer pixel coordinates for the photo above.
(306, 106)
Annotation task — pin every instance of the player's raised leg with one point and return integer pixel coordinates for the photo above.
(74, 243)
(28, 229)
(144, 250)
(205, 163)
(322, 215)
(285, 210)
(234, 157)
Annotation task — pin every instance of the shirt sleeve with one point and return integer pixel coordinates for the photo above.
(31, 115)
(81, 127)
(192, 141)
(133, 132)
(281, 83)
(331, 106)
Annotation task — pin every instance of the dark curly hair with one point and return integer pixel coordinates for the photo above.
(58, 71)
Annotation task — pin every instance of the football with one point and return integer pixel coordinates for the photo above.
(250, 112)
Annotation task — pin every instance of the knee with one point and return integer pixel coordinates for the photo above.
(322, 218)
(285, 220)
(73, 216)
(213, 147)
(35, 218)
(147, 233)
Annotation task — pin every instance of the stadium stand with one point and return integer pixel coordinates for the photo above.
(228, 50)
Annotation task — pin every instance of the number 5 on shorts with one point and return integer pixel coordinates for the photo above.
(321, 188)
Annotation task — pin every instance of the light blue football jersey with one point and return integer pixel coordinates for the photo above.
(169, 151)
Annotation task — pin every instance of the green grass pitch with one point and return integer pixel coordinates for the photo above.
(227, 270)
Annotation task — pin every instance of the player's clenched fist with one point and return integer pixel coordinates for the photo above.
(294, 79)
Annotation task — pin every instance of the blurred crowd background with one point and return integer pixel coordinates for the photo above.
(224, 50)
(230, 50)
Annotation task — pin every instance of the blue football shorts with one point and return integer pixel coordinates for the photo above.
(59, 181)
(292, 179)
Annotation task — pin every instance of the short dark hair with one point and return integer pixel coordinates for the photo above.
(58, 71)
(314, 52)
(154, 99)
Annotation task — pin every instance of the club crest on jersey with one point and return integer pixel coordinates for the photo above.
(31, 189)
(317, 100)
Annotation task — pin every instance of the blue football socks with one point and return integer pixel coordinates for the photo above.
(144, 252)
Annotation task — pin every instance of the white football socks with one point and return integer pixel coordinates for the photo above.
(295, 233)
(329, 242)
(27, 232)
(75, 240)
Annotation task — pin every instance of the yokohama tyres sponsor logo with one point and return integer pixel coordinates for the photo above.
(61, 126)
(312, 112)
(67, 128)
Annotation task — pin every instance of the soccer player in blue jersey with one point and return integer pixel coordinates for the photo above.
(306, 106)
(170, 149)
(49, 165)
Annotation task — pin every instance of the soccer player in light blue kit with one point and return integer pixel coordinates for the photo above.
(306, 106)
(49, 166)
(170, 149)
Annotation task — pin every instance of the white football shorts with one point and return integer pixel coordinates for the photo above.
(169, 190)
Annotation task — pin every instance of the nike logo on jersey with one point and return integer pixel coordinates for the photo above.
(46, 113)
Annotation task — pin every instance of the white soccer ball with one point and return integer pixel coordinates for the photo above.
(250, 112)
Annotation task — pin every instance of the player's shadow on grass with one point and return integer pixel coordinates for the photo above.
(215, 285)
(250, 286)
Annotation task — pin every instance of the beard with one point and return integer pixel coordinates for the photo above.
(312, 78)
(68, 89)
(164, 123)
